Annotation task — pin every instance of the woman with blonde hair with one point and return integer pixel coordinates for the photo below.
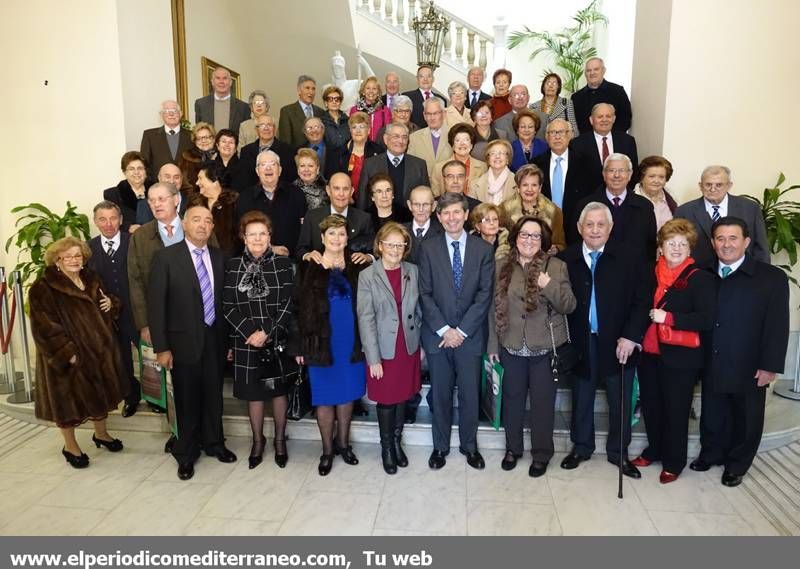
(487, 222)
(497, 184)
(203, 136)
(529, 200)
(369, 101)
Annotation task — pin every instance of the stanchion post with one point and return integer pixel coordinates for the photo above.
(10, 379)
(25, 396)
(794, 391)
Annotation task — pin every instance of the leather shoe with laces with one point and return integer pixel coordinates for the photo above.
(474, 459)
(437, 459)
(223, 454)
(731, 480)
(628, 469)
(572, 460)
(701, 465)
(537, 469)
(509, 461)
(185, 471)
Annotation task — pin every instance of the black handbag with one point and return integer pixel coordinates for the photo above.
(274, 371)
(565, 357)
(299, 396)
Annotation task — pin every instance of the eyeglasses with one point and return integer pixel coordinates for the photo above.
(270, 164)
(132, 169)
(715, 186)
(523, 126)
(519, 95)
(313, 127)
(169, 112)
(395, 246)
(557, 132)
(382, 191)
(677, 244)
(490, 220)
(495, 153)
(334, 99)
(398, 136)
(265, 125)
(77, 257)
(260, 234)
(402, 111)
(432, 114)
(359, 127)
(155, 200)
(617, 171)
(421, 205)
(483, 114)
(455, 177)
(525, 236)
(205, 138)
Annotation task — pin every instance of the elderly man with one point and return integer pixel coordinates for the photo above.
(360, 232)
(422, 93)
(314, 132)
(519, 99)
(110, 260)
(406, 171)
(291, 123)
(430, 143)
(563, 174)
(598, 90)
(748, 348)
(634, 217)
(717, 202)
(164, 144)
(611, 285)
(454, 177)
(245, 175)
(602, 141)
(401, 113)
(391, 87)
(171, 174)
(283, 203)
(221, 109)
(475, 79)
(423, 225)
(456, 279)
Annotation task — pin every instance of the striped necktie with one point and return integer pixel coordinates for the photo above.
(715, 215)
(206, 291)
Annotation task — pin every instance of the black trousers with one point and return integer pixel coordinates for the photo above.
(449, 368)
(134, 394)
(583, 394)
(521, 376)
(666, 396)
(198, 402)
(731, 425)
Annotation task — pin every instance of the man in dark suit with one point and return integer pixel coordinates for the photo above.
(456, 279)
(611, 285)
(602, 141)
(406, 171)
(634, 217)
(246, 176)
(598, 90)
(475, 78)
(716, 203)
(454, 176)
(170, 174)
(748, 348)
(165, 144)
(110, 260)
(391, 88)
(563, 175)
(360, 233)
(315, 139)
(291, 122)
(423, 91)
(221, 108)
(424, 224)
(184, 308)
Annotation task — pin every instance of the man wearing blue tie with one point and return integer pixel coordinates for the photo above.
(611, 286)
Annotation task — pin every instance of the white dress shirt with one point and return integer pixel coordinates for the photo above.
(723, 207)
(733, 266)
(598, 140)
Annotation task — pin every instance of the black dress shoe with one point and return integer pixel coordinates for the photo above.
(347, 454)
(222, 454)
(325, 464)
(701, 465)
(256, 453)
(437, 459)
(75, 461)
(280, 458)
(731, 480)
(156, 409)
(129, 409)
(114, 445)
(572, 460)
(628, 469)
(185, 471)
(537, 469)
(509, 460)
(474, 459)
(170, 444)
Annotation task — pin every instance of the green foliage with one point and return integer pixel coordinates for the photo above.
(782, 219)
(36, 230)
(570, 47)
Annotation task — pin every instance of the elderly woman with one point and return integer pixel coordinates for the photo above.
(486, 220)
(352, 155)
(369, 102)
(259, 105)
(327, 340)
(457, 111)
(203, 151)
(383, 210)
(222, 202)
(129, 191)
(552, 106)
(529, 201)
(461, 137)
(78, 368)
(309, 180)
(684, 299)
(390, 320)
(499, 103)
(337, 132)
(255, 301)
(402, 106)
(481, 113)
(654, 173)
(225, 142)
(497, 184)
(527, 147)
(532, 293)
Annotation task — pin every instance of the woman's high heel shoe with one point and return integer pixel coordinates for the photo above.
(114, 445)
(347, 454)
(79, 461)
(283, 457)
(256, 453)
(325, 464)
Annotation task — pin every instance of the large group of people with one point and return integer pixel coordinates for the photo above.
(402, 238)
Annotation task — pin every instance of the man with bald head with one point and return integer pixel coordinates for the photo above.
(475, 79)
(391, 87)
(171, 174)
(245, 176)
(598, 90)
(164, 144)
(221, 108)
(519, 98)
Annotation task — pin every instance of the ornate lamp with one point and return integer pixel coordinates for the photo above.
(430, 30)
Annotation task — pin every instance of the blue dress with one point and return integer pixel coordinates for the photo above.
(343, 381)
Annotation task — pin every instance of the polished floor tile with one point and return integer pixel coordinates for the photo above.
(48, 520)
(691, 492)
(227, 527)
(692, 524)
(327, 513)
(25, 490)
(497, 485)
(503, 518)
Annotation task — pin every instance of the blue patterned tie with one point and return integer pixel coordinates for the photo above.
(725, 272)
(458, 266)
(593, 303)
(715, 215)
(557, 184)
(206, 290)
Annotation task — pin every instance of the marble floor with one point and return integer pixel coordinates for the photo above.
(137, 492)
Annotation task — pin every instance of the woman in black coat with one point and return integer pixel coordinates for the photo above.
(684, 299)
(131, 190)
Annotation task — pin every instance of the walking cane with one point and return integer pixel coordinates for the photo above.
(621, 424)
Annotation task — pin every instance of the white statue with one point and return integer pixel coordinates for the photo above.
(349, 87)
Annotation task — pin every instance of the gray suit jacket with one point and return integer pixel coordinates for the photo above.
(415, 174)
(504, 123)
(703, 253)
(204, 111)
(155, 148)
(377, 312)
(442, 306)
(291, 124)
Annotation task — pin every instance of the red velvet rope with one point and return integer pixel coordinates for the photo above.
(5, 338)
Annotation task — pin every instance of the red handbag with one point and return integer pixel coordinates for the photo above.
(685, 338)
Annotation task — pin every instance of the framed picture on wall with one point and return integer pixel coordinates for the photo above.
(209, 66)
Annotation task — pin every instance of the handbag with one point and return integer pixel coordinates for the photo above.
(669, 335)
(273, 371)
(565, 357)
(299, 396)
(492, 391)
